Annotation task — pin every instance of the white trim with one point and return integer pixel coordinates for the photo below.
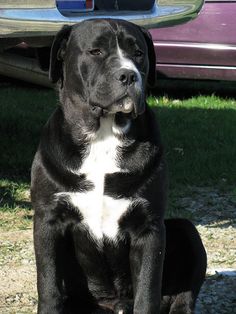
(195, 45)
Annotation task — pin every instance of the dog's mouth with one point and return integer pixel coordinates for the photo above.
(124, 104)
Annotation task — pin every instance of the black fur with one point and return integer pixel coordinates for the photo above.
(76, 273)
(184, 267)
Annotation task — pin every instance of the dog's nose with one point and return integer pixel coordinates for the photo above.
(126, 77)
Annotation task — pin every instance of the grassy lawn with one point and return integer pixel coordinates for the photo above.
(23, 112)
(198, 133)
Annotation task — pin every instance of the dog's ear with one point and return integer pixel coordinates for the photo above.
(57, 54)
(152, 58)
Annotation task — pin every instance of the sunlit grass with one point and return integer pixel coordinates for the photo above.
(199, 136)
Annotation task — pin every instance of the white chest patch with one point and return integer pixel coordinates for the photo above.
(100, 212)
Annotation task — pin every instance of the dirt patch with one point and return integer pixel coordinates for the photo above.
(17, 272)
(214, 214)
(218, 294)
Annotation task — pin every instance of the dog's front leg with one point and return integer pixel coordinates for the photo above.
(146, 263)
(48, 241)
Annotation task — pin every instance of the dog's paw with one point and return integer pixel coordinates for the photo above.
(123, 307)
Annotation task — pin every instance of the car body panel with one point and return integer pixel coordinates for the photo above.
(195, 53)
(196, 72)
(216, 19)
(204, 48)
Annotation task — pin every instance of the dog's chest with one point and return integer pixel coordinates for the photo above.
(100, 212)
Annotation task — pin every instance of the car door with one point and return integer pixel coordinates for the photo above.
(204, 48)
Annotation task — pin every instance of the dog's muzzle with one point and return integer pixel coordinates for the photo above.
(127, 96)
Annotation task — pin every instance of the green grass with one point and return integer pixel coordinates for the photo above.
(23, 112)
(199, 134)
(14, 195)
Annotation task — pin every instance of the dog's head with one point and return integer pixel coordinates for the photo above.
(104, 64)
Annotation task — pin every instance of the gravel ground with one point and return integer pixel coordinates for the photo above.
(214, 214)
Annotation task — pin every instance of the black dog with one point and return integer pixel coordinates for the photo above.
(99, 183)
(184, 267)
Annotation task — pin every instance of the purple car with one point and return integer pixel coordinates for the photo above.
(204, 48)
(188, 45)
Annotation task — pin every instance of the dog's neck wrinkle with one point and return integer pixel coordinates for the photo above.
(80, 121)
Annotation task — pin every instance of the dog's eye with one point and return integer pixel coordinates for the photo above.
(138, 53)
(95, 52)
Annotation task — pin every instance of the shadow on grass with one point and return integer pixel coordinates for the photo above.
(23, 112)
(10, 201)
(183, 89)
(217, 294)
(200, 145)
